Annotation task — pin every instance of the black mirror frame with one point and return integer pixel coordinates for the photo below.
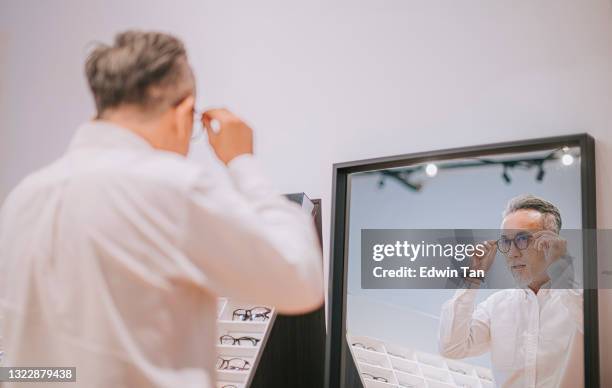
(335, 352)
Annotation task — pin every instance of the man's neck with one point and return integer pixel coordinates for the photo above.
(537, 284)
(132, 119)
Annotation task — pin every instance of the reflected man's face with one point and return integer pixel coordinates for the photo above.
(527, 265)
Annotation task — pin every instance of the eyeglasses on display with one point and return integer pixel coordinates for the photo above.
(375, 378)
(396, 355)
(457, 370)
(232, 364)
(260, 314)
(244, 340)
(362, 346)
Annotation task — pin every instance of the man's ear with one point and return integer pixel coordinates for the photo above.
(184, 117)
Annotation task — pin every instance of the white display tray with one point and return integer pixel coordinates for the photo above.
(259, 330)
(398, 367)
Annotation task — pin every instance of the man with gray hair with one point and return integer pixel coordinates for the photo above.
(112, 257)
(534, 332)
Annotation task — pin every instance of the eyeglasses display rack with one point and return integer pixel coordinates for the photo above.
(383, 364)
(258, 348)
(243, 331)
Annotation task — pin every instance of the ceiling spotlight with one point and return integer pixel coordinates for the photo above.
(505, 175)
(565, 149)
(541, 173)
(431, 170)
(567, 159)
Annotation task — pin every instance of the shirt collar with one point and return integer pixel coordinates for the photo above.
(104, 134)
(543, 292)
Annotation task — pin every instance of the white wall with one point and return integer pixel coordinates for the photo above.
(325, 82)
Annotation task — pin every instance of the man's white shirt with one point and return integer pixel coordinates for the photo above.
(112, 257)
(533, 339)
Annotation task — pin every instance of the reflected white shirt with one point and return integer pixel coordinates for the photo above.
(111, 260)
(531, 337)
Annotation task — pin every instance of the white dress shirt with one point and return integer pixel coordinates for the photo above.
(531, 337)
(111, 260)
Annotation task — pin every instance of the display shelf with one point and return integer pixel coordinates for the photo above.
(411, 368)
(405, 366)
(372, 358)
(230, 324)
(367, 343)
(431, 360)
(233, 376)
(435, 373)
(439, 384)
(289, 347)
(378, 384)
(236, 351)
(407, 380)
(229, 384)
(396, 351)
(484, 374)
(461, 368)
(378, 373)
(465, 381)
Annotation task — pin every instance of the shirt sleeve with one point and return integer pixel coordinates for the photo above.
(573, 301)
(464, 329)
(562, 276)
(249, 242)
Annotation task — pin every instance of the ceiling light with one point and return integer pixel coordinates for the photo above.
(431, 170)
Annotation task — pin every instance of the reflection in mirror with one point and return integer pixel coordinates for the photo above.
(527, 335)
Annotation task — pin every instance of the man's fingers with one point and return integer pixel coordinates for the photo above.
(542, 242)
(220, 114)
(541, 233)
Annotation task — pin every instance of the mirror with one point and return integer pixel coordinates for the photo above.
(521, 322)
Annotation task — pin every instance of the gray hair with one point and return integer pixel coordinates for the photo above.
(145, 69)
(552, 216)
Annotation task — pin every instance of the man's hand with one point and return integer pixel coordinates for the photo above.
(553, 246)
(234, 137)
(485, 261)
(482, 262)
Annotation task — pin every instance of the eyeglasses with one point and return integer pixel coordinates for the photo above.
(521, 242)
(396, 355)
(362, 346)
(198, 128)
(230, 340)
(375, 378)
(484, 377)
(457, 370)
(258, 314)
(232, 364)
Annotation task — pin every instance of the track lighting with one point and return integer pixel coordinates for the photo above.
(505, 175)
(567, 159)
(541, 173)
(431, 170)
